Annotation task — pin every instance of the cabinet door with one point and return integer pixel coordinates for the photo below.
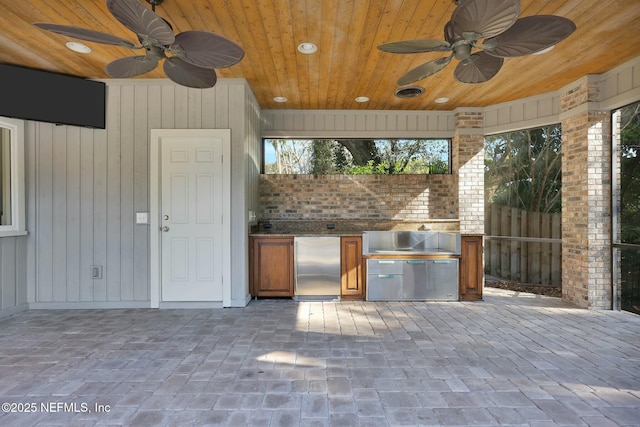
(416, 284)
(443, 279)
(471, 269)
(272, 267)
(352, 268)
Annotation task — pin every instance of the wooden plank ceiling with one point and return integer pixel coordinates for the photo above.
(347, 64)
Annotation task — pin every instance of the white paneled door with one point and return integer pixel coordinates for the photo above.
(191, 218)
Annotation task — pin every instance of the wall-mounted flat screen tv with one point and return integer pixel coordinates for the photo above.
(30, 94)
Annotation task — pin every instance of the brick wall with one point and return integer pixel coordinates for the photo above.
(468, 163)
(588, 91)
(411, 198)
(575, 241)
(586, 196)
(372, 197)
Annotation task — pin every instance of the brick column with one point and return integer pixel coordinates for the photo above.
(468, 164)
(586, 197)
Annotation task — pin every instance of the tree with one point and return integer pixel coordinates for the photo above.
(351, 156)
(322, 157)
(523, 169)
(342, 158)
(362, 150)
(414, 156)
(289, 157)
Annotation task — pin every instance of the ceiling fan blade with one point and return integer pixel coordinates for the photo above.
(530, 35)
(449, 35)
(84, 34)
(142, 21)
(485, 18)
(478, 68)
(207, 50)
(415, 46)
(130, 66)
(424, 70)
(189, 75)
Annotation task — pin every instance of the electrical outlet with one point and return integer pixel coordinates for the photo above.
(96, 272)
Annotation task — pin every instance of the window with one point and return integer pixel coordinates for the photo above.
(626, 204)
(356, 156)
(12, 211)
(523, 205)
(523, 169)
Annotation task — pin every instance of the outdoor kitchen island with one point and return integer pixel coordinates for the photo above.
(412, 265)
(377, 265)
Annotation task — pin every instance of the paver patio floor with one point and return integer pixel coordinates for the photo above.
(513, 359)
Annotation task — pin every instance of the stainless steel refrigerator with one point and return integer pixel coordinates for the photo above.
(317, 266)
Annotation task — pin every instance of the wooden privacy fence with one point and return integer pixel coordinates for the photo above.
(523, 246)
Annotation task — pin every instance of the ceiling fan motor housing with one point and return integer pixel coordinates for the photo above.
(155, 52)
(462, 51)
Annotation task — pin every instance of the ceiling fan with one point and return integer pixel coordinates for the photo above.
(189, 57)
(493, 27)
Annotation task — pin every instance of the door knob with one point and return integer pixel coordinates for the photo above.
(165, 228)
(165, 217)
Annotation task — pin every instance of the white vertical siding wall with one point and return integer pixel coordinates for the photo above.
(357, 124)
(85, 186)
(13, 256)
(621, 86)
(522, 114)
(245, 196)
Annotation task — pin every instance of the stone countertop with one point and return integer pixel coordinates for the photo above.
(435, 253)
(324, 233)
(346, 227)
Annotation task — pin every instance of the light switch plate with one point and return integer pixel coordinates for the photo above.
(142, 217)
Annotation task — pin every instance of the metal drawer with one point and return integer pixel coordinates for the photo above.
(385, 266)
(432, 280)
(384, 287)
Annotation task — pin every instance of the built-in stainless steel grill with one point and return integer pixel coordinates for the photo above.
(412, 265)
(410, 242)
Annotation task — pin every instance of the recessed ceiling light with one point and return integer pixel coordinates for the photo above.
(280, 99)
(409, 91)
(78, 47)
(441, 100)
(543, 51)
(362, 99)
(307, 48)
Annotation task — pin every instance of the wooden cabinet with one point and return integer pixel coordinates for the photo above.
(352, 268)
(271, 267)
(471, 269)
(271, 260)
